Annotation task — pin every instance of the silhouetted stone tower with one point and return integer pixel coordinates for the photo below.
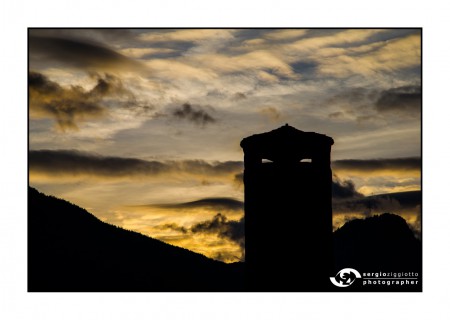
(288, 217)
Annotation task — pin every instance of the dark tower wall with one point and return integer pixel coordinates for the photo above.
(288, 218)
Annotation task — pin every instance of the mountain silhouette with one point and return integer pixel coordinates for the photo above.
(382, 243)
(71, 250)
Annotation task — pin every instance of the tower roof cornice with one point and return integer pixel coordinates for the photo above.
(285, 140)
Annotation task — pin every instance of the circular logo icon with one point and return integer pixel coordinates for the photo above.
(345, 277)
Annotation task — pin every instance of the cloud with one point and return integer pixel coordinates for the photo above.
(354, 95)
(406, 204)
(172, 226)
(285, 34)
(405, 99)
(78, 53)
(239, 179)
(343, 189)
(387, 182)
(73, 163)
(369, 60)
(370, 104)
(110, 36)
(340, 53)
(339, 38)
(239, 96)
(139, 53)
(253, 61)
(186, 35)
(251, 44)
(336, 115)
(68, 106)
(233, 230)
(219, 225)
(371, 166)
(173, 69)
(195, 115)
(378, 176)
(216, 204)
(271, 113)
(399, 202)
(226, 257)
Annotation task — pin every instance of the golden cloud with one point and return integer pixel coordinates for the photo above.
(187, 35)
(214, 235)
(251, 61)
(141, 52)
(368, 165)
(285, 34)
(171, 69)
(388, 56)
(336, 39)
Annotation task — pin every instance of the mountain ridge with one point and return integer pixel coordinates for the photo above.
(78, 252)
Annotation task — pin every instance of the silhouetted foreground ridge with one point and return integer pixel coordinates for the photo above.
(71, 250)
(383, 243)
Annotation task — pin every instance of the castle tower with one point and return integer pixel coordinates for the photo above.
(288, 217)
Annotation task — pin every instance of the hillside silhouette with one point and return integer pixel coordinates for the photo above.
(71, 250)
(382, 243)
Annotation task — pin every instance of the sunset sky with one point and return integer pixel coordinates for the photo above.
(142, 127)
